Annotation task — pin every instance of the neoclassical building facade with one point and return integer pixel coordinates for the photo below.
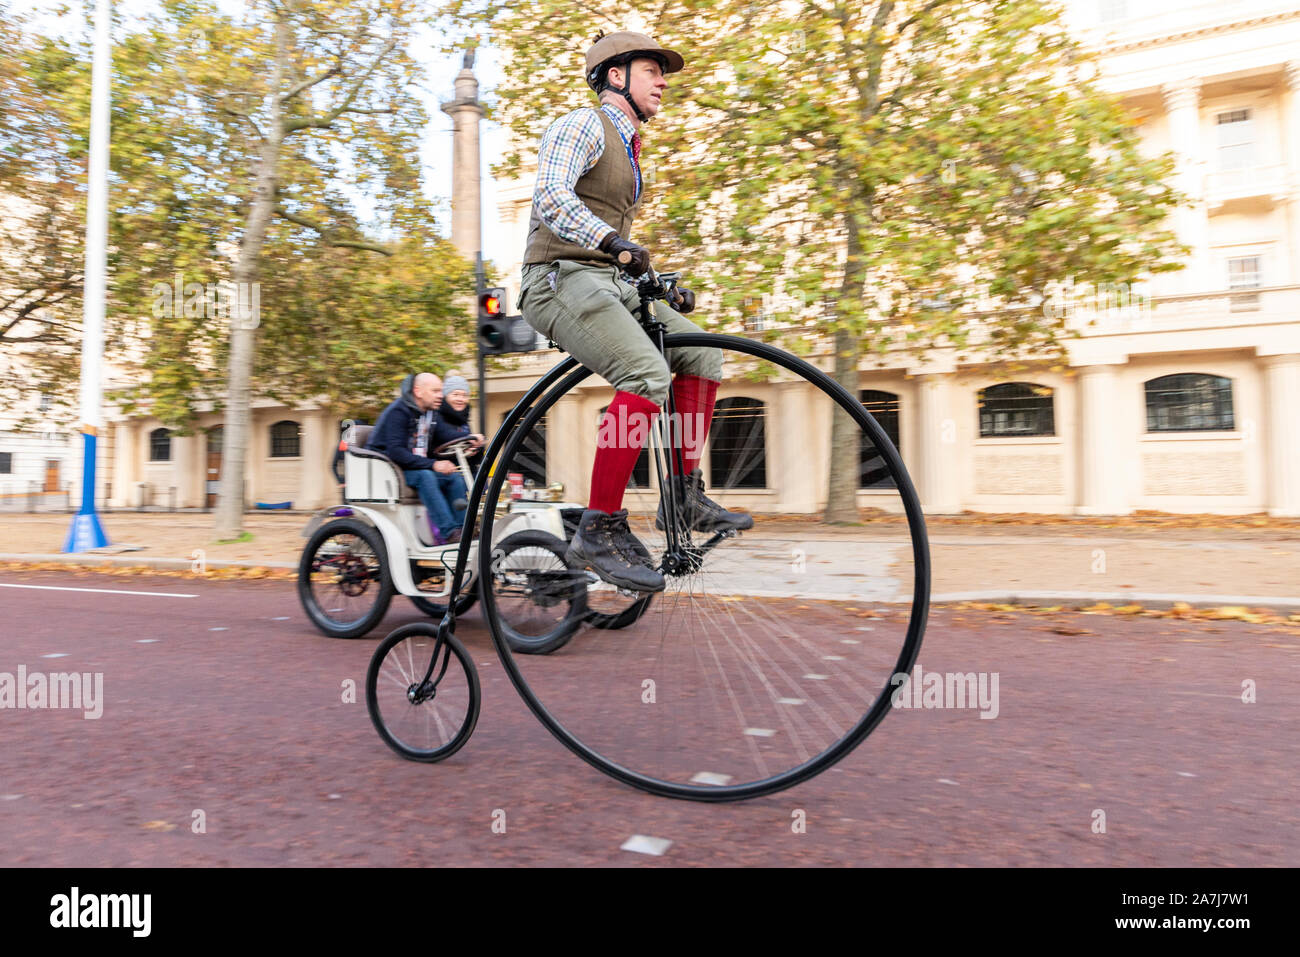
(1185, 401)
(1188, 401)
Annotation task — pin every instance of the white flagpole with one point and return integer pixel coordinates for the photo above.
(86, 531)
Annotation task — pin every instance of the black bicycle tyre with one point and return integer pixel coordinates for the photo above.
(559, 636)
(372, 704)
(318, 616)
(518, 425)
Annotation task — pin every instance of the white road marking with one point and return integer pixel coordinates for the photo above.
(218, 629)
(1186, 774)
(281, 618)
(57, 654)
(849, 641)
(760, 732)
(946, 781)
(815, 677)
(640, 844)
(789, 700)
(708, 777)
(832, 658)
(100, 591)
(145, 641)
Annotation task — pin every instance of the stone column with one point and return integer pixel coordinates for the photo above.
(1282, 438)
(316, 483)
(1291, 136)
(937, 445)
(1182, 102)
(570, 443)
(185, 473)
(125, 472)
(465, 112)
(1101, 476)
(801, 435)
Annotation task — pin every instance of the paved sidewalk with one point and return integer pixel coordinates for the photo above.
(1246, 561)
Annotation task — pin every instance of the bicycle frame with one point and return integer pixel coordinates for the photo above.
(657, 288)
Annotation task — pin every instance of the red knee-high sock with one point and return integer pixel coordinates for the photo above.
(693, 398)
(623, 432)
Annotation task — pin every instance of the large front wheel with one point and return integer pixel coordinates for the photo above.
(772, 652)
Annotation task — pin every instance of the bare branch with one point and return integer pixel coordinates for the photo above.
(307, 84)
(322, 122)
(329, 234)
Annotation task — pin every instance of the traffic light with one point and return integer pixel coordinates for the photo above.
(499, 333)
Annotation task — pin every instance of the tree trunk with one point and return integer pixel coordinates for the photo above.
(228, 520)
(846, 462)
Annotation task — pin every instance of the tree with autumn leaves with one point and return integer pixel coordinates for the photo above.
(277, 148)
(893, 175)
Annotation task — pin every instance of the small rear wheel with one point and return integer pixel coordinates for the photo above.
(423, 713)
(344, 582)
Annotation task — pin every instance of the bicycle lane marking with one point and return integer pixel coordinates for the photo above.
(101, 591)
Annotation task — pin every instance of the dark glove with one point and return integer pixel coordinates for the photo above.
(639, 260)
(682, 299)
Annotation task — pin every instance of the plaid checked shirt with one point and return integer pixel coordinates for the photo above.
(571, 146)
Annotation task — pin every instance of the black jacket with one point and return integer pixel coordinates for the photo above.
(395, 432)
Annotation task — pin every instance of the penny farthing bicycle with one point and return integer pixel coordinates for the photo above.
(770, 653)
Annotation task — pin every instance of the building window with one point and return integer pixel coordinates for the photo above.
(1189, 402)
(216, 435)
(1243, 273)
(640, 477)
(1108, 11)
(883, 407)
(754, 314)
(6, 463)
(530, 458)
(160, 445)
(286, 440)
(1236, 132)
(738, 451)
(46, 401)
(1016, 409)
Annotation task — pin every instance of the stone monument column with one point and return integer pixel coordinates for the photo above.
(465, 112)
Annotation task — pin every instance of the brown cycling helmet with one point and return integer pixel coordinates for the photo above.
(620, 49)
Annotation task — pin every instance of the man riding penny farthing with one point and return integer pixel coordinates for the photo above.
(753, 654)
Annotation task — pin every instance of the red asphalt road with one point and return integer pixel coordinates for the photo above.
(1141, 718)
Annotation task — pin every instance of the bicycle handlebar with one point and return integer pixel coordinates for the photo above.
(650, 284)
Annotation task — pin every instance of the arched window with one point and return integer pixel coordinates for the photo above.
(640, 477)
(1016, 409)
(530, 460)
(1189, 402)
(286, 440)
(738, 453)
(160, 445)
(883, 407)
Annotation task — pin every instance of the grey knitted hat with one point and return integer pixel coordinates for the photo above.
(454, 382)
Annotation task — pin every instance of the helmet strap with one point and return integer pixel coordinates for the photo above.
(626, 92)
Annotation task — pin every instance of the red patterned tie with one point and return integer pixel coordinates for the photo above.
(636, 149)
